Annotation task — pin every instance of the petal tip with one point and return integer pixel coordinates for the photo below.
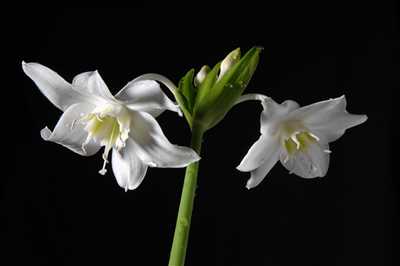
(196, 157)
(240, 168)
(249, 184)
(244, 166)
(24, 66)
(134, 186)
(364, 118)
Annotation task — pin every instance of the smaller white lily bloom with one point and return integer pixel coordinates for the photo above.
(124, 123)
(297, 136)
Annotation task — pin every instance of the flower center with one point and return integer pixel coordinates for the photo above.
(299, 141)
(108, 126)
(295, 137)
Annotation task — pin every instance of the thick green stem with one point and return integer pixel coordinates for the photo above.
(181, 235)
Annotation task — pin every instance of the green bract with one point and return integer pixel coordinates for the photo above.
(206, 104)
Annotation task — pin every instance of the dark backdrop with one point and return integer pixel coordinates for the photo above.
(60, 211)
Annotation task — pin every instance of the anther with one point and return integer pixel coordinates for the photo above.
(103, 170)
(295, 140)
(98, 116)
(286, 159)
(152, 164)
(314, 137)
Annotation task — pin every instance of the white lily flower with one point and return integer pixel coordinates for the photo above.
(125, 123)
(298, 137)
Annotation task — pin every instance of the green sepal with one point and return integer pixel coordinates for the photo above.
(187, 89)
(182, 102)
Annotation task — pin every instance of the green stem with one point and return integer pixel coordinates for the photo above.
(181, 235)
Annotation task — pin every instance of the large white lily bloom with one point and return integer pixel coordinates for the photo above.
(125, 123)
(297, 136)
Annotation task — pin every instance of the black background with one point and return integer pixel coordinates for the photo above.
(60, 211)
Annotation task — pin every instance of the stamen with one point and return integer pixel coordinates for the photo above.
(286, 159)
(152, 164)
(295, 140)
(103, 170)
(313, 136)
(98, 116)
(109, 144)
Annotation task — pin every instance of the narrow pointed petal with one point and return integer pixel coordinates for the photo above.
(153, 147)
(92, 83)
(337, 126)
(146, 96)
(70, 133)
(54, 87)
(328, 119)
(129, 171)
(312, 110)
(314, 162)
(258, 174)
(264, 149)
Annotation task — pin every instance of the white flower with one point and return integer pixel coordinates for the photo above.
(299, 137)
(125, 123)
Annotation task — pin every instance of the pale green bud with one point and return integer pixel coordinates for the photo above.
(201, 75)
(217, 94)
(231, 59)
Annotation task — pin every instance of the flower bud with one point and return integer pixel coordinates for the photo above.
(201, 75)
(231, 59)
(217, 94)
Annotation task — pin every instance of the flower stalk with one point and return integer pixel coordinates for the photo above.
(182, 228)
(205, 99)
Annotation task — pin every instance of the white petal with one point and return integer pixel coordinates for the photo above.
(147, 96)
(263, 149)
(258, 174)
(273, 113)
(153, 147)
(55, 88)
(309, 111)
(328, 119)
(129, 171)
(92, 83)
(70, 133)
(313, 162)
